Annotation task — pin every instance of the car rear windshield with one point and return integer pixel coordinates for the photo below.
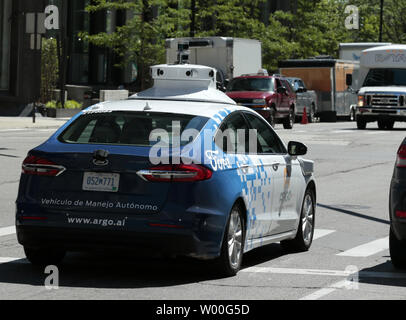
(385, 77)
(128, 128)
(251, 84)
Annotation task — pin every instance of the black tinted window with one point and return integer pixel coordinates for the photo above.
(251, 84)
(232, 136)
(385, 77)
(268, 141)
(128, 128)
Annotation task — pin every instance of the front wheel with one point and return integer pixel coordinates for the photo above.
(305, 231)
(44, 256)
(272, 117)
(290, 120)
(229, 262)
(361, 124)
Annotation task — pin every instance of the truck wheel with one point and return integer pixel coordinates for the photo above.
(352, 115)
(311, 114)
(290, 120)
(397, 251)
(305, 231)
(361, 124)
(272, 117)
(232, 249)
(390, 125)
(44, 256)
(382, 124)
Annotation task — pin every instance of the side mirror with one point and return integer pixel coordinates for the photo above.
(281, 90)
(296, 149)
(348, 79)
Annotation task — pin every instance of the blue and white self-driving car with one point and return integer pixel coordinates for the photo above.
(178, 169)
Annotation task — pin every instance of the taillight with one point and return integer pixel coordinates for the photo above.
(401, 157)
(176, 173)
(41, 167)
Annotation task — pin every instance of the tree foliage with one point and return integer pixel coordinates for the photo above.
(312, 28)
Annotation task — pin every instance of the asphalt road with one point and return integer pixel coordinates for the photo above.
(353, 171)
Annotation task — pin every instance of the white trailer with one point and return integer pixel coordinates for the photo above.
(233, 57)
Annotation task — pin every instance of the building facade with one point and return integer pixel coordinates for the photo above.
(21, 31)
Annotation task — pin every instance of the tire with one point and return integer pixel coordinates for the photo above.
(352, 115)
(361, 124)
(289, 120)
(390, 125)
(382, 124)
(272, 119)
(44, 256)
(311, 114)
(304, 236)
(397, 251)
(228, 264)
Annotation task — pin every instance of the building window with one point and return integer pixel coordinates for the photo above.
(5, 31)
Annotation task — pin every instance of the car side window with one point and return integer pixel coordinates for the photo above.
(268, 141)
(232, 137)
(286, 84)
(278, 83)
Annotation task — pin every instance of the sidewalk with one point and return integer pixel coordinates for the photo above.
(8, 123)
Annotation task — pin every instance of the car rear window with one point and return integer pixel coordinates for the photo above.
(128, 128)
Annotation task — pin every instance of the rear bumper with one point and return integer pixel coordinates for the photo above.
(197, 235)
(397, 202)
(179, 243)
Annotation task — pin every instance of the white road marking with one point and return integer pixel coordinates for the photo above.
(368, 249)
(317, 272)
(8, 260)
(319, 233)
(7, 231)
(326, 291)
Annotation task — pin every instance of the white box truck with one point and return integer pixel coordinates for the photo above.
(232, 57)
(382, 86)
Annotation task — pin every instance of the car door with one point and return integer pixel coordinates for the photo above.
(283, 170)
(283, 98)
(254, 171)
(306, 96)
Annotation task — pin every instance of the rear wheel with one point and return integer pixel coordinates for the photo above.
(397, 250)
(304, 235)
(290, 120)
(229, 262)
(311, 114)
(44, 256)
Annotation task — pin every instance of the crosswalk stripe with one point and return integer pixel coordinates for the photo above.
(6, 231)
(367, 249)
(319, 233)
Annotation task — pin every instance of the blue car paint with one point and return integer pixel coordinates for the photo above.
(201, 208)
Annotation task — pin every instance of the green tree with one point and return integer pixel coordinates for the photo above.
(49, 69)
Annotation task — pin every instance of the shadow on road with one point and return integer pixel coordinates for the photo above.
(124, 271)
(384, 274)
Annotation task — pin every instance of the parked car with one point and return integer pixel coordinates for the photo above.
(109, 178)
(270, 96)
(397, 210)
(304, 98)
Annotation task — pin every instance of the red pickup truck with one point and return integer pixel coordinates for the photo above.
(271, 96)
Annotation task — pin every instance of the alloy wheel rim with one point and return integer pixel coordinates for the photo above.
(234, 240)
(307, 219)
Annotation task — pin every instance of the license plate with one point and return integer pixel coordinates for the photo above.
(95, 181)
